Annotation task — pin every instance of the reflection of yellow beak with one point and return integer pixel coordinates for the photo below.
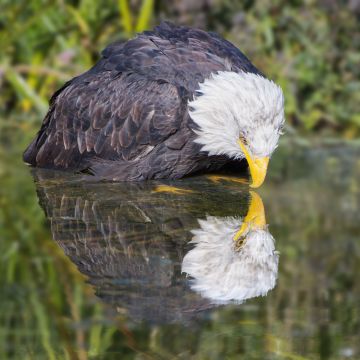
(255, 218)
(258, 167)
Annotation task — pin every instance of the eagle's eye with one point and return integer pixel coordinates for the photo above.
(243, 139)
(281, 130)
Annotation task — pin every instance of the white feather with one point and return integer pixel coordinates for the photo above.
(223, 274)
(230, 105)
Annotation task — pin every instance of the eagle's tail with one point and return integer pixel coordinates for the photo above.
(29, 155)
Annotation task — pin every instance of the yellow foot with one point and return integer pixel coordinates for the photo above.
(255, 218)
(171, 190)
(218, 178)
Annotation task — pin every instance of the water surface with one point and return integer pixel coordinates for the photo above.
(101, 274)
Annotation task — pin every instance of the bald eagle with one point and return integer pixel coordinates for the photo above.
(169, 103)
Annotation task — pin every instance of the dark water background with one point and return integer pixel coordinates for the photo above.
(99, 274)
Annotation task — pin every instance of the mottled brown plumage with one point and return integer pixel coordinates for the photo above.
(127, 117)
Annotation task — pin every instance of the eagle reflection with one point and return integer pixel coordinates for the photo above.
(234, 259)
(142, 244)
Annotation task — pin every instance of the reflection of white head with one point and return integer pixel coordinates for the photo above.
(224, 274)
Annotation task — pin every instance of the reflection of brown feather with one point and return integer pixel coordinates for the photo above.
(128, 240)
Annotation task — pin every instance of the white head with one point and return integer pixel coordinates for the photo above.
(222, 273)
(240, 115)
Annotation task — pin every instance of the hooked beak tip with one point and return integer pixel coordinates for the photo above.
(258, 169)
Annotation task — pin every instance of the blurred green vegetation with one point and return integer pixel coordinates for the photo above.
(309, 47)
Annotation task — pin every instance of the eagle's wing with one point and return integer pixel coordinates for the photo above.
(179, 55)
(106, 115)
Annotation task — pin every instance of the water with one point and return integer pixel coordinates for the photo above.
(151, 270)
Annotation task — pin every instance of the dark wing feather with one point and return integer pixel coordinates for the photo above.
(116, 118)
(132, 101)
(180, 55)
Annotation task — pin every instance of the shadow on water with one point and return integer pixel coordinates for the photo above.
(162, 251)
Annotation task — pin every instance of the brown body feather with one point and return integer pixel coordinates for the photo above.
(127, 117)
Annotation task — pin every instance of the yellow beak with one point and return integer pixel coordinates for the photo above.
(258, 167)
